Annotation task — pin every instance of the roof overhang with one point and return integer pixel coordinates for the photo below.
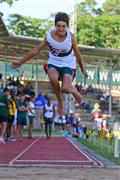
(3, 29)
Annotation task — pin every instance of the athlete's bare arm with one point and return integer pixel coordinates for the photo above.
(78, 55)
(33, 52)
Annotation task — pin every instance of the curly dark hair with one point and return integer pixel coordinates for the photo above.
(61, 16)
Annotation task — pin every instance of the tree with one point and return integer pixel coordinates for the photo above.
(10, 2)
(86, 7)
(27, 26)
(110, 30)
(95, 28)
(111, 7)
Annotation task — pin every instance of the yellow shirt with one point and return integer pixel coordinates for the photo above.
(12, 108)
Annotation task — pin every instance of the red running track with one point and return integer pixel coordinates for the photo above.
(40, 151)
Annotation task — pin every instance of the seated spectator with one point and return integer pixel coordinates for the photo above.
(90, 89)
(96, 113)
(0, 76)
(72, 120)
(85, 87)
(80, 131)
(28, 89)
(1, 81)
(1, 92)
(87, 105)
(104, 96)
(105, 122)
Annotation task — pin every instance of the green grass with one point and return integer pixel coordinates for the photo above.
(42, 132)
(100, 150)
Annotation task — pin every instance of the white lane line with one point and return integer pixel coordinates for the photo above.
(95, 160)
(72, 161)
(25, 150)
(90, 160)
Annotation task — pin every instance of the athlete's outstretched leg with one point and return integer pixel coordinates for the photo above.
(53, 76)
(67, 87)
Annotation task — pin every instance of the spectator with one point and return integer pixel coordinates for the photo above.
(4, 114)
(87, 105)
(104, 96)
(90, 89)
(72, 120)
(105, 122)
(31, 113)
(1, 81)
(85, 132)
(48, 114)
(12, 110)
(14, 127)
(21, 116)
(96, 113)
(63, 122)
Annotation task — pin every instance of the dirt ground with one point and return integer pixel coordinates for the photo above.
(59, 173)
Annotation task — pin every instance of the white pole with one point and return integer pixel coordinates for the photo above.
(110, 87)
(116, 150)
(36, 79)
(69, 100)
(73, 19)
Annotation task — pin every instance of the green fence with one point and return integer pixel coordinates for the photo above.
(99, 76)
(96, 75)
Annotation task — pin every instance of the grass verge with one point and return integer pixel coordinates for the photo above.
(100, 150)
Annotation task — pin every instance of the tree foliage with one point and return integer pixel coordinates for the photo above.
(102, 31)
(28, 26)
(99, 27)
(10, 2)
(111, 7)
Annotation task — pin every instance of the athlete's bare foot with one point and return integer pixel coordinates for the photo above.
(76, 95)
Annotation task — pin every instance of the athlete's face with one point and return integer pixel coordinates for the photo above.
(61, 27)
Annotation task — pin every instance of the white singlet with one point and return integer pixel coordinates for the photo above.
(48, 111)
(61, 47)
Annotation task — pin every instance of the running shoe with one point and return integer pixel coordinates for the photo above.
(2, 140)
(12, 139)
